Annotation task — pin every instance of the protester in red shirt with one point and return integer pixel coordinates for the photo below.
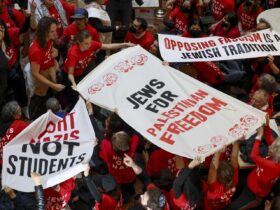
(57, 197)
(81, 55)
(112, 152)
(58, 9)
(158, 160)
(15, 26)
(80, 23)
(219, 8)
(222, 180)
(247, 15)
(194, 30)
(110, 196)
(267, 171)
(43, 67)
(10, 124)
(138, 34)
(227, 27)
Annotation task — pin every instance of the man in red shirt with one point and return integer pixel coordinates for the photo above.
(80, 23)
(138, 34)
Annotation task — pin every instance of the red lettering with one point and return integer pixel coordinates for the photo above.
(152, 131)
(167, 138)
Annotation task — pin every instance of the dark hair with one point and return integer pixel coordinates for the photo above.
(255, 7)
(117, 124)
(143, 23)
(121, 142)
(262, 20)
(43, 29)
(156, 200)
(53, 104)
(6, 39)
(275, 203)
(81, 35)
(165, 180)
(189, 182)
(232, 18)
(225, 174)
(193, 188)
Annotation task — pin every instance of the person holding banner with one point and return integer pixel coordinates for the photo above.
(222, 180)
(81, 60)
(261, 180)
(43, 65)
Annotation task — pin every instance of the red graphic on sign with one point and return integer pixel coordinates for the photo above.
(110, 79)
(248, 120)
(218, 140)
(95, 88)
(203, 149)
(237, 131)
(139, 60)
(124, 66)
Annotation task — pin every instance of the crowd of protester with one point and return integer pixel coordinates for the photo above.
(48, 46)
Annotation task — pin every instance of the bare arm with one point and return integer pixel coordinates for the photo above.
(116, 46)
(234, 155)
(212, 174)
(71, 76)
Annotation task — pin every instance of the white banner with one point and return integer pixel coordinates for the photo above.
(169, 108)
(51, 146)
(180, 49)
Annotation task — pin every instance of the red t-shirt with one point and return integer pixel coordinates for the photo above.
(221, 7)
(208, 72)
(14, 37)
(9, 22)
(109, 203)
(15, 128)
(70, 32)
(182, 202)
(161, 159)
(41, 56)
(232, 33)
(69, 11)
(57, 200)
(80, 60)
(218, 196)
(248, 20)
(114, 161)
(145, 41)
(266, 173)
(180, 19)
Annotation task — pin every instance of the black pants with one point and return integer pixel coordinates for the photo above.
(37, 106)
(246, 199)
(72, 96)
(17, 83)
(123, 9)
